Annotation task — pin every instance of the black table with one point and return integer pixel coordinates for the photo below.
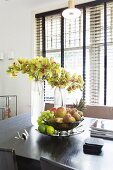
(66, 150)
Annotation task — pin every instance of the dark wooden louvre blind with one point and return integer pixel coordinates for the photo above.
(95, 54)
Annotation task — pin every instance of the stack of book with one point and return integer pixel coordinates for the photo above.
(102, 129)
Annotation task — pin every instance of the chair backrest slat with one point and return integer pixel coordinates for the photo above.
(103, 112)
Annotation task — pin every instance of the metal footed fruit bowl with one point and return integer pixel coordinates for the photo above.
(66, 129)
(61, 122)
(64, 126)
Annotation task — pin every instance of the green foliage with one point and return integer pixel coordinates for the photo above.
(79, 105)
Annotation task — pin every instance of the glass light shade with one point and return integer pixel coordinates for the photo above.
(71, 13)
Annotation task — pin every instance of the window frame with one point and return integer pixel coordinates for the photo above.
(81, 6)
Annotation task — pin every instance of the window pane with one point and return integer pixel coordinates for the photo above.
(53, 33)
(95, 55)
(49, 91)
(109, 53)
(53, 45)
(73, 52)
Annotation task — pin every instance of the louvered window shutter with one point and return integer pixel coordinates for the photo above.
(73, 51)
(38, 37)
(95, 55)
(53, 47)
(88, 54)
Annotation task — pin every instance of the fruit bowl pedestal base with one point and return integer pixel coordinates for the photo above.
(72, 132)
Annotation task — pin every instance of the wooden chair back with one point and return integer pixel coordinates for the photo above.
(7, 159)
(103, 112)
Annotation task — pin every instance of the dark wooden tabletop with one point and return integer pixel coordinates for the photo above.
(66, 150)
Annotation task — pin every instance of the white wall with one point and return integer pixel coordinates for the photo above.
(16, 33)
(1, 70)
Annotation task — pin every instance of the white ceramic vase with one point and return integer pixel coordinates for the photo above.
(37, 101)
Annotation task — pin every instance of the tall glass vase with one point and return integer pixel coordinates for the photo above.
(37, 101)
(59, 97)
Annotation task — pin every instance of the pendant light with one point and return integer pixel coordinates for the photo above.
(71, 12)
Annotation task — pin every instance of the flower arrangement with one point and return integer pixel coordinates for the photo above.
(41, 68)
(63, 79)
(75, 82)
(38, 68)
(60, 79)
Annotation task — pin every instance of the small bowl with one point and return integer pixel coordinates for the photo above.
(64, 126)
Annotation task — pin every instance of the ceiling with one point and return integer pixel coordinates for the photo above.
(61, 1)
(65, 1)
(48, 1)
(38, 5)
